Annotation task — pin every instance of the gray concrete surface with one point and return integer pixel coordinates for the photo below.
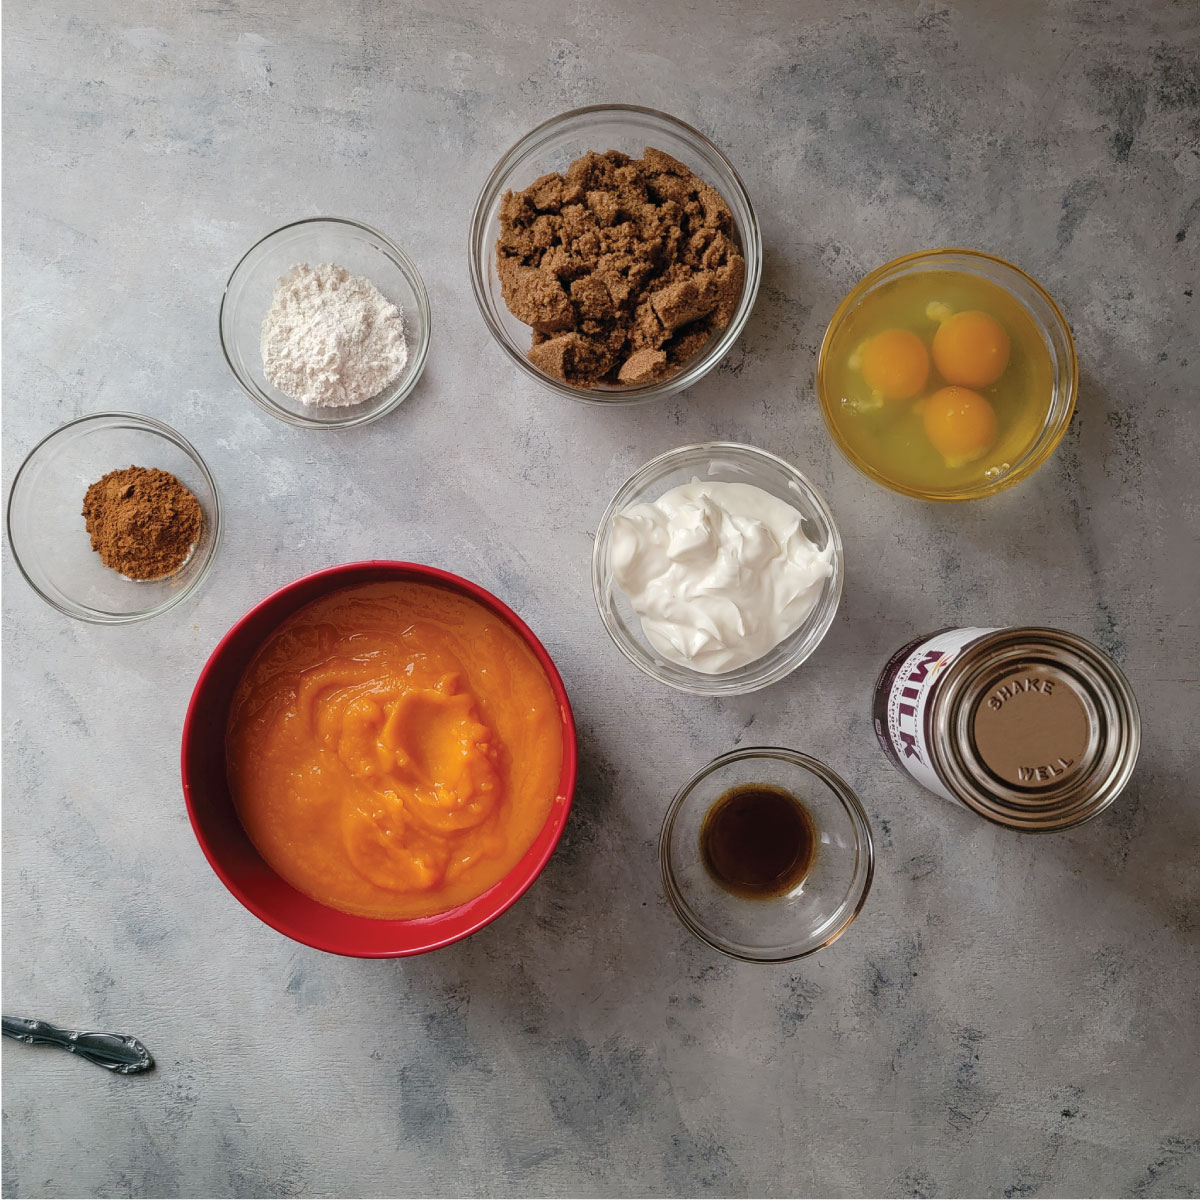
(1008, 1017)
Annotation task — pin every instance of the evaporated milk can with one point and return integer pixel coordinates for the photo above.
(1032, 728)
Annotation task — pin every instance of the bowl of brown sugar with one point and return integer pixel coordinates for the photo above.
(114, 518)
(615, 254)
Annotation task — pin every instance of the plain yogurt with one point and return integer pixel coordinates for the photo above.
(719, 573)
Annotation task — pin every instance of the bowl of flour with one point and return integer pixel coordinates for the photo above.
(325, 323)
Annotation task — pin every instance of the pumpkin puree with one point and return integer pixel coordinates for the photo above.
(394, 749)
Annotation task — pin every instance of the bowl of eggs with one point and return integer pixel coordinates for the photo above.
(947, 375)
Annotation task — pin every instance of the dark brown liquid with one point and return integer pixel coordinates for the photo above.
(757, 841)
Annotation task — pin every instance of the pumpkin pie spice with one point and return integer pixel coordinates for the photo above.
(142, 521)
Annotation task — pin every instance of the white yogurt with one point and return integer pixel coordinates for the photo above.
(719, 573)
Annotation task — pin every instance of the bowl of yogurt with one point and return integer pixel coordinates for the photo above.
(717, 569)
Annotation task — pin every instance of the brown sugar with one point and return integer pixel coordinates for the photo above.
(143, 522)
(623, 268)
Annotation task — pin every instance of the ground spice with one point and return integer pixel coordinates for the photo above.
(143, 522)
(623, 267)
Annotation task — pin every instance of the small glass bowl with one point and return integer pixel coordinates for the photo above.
(726, 462)
(45, 520)
(362, 251)
(553, 146)
(818, 910)
(1056, 335)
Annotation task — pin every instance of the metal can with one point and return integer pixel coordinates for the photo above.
(1034, 729)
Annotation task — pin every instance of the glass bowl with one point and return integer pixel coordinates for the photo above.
(1046, 315)
(726, 462)
(553, 146)
(45, 520)
(362, 251)
(817, 911)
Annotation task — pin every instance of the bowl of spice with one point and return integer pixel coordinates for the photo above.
(615, 254)
(114, 518)
(325, 323)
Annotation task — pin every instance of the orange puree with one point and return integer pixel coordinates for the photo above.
(394, 749)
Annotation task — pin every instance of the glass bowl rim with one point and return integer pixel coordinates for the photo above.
(837, 785)
(699, 366)
(408, 268)
(700, 683)
(1050, 437)
(94, 616)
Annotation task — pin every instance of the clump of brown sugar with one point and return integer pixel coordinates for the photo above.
(623, 267)
(143, 522)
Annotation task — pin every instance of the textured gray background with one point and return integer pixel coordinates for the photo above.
(1009, 1016)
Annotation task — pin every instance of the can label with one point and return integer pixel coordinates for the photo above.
(902, 698)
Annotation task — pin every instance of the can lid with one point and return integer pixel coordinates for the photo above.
(1041, 729)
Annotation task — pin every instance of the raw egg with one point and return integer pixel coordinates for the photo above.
(971, 348)
(960, 423)
(895, 364)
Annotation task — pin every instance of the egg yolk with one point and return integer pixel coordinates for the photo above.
(960, 423)
(971, 348)
(895, 364)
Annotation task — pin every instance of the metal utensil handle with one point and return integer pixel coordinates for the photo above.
(112, 1051)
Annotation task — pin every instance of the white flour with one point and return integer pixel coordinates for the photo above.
(331, 338)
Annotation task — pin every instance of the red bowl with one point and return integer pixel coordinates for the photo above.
(230, 852)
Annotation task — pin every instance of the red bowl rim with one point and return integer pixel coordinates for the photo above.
(530, 869)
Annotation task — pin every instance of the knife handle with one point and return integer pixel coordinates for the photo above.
(112, 1051)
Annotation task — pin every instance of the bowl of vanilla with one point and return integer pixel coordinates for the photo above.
(717, 569)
